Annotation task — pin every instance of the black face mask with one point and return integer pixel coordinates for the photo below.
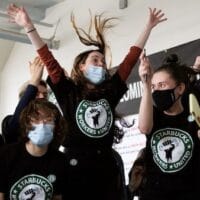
(164, 99)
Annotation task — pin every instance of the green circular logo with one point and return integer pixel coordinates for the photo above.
(94, 118)
(172, 149)
(32, 187)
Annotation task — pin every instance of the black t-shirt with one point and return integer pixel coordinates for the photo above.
(24, 176)
(172, 157)
(89, 113)
(1, 140)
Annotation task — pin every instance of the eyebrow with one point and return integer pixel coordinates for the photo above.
(160, 82)
(96, 56)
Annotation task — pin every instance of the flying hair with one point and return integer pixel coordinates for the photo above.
(95, 35)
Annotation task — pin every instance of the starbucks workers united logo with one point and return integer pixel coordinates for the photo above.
(172, 149)
(94, 118)
(32, 187)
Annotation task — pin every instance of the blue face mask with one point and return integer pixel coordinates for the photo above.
(42, 134)
(95, 74)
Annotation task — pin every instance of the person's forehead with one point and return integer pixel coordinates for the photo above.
(42, 88)
(161, 76)
(96, 54)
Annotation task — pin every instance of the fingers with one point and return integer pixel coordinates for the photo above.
(157, 13)
(144, 68)
(12, 11)
(37, 61)
(142, 55)
(12, 8)
(36, 65)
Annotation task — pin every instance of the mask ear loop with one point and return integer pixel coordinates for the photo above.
(174, 97)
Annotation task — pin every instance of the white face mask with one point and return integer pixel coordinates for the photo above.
(95, 74)
(42, 134)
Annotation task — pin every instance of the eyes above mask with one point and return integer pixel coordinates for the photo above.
(95, 74)
(164, 99)
(42, 134)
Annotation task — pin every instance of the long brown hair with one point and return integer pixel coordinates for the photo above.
(98, 25)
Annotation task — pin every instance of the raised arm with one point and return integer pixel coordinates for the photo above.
(19, 16)
(10, 129)
(36, 70)
(145, 123)
(196, 65)
(155, 17)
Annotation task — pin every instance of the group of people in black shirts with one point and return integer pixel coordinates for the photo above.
(31, 167)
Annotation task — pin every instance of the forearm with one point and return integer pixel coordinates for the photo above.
(129, 62)
(54, 69)
(131, 59)
(143, 37)
(145, 123)
(34, 36)
(29, 94)
(13, 123)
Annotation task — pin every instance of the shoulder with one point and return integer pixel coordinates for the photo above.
(10, 150)
(63, 83)
(5, 122)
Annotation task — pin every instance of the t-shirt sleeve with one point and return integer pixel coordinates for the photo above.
(54, 69)
(129, 62)
(62, 91)
(119, 88)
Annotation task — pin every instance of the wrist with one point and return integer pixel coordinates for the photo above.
(148, 27)
(29, 27)
(34, 82)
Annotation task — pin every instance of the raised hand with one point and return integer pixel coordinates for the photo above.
(36, 70)
(145, 70)
(19, 16)
(196, 65)
(155, 17)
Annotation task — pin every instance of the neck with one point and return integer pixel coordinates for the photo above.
(90, 86)
(176, 108)
(35, 150)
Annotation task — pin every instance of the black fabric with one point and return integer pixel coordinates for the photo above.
(16, 163)
(69, 97)
(9, 132)
(92, 165)
(1, 140)
(10, 124)
(94, 174)
(177, 183)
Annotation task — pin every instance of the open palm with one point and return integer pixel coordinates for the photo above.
(155, 17)
(18, 15)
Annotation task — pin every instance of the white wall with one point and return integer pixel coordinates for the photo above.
(183, 25)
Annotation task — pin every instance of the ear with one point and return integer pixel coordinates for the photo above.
(181, 88)
(82, 67)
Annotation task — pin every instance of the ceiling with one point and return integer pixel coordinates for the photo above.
(35, 8)
(10, 32)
